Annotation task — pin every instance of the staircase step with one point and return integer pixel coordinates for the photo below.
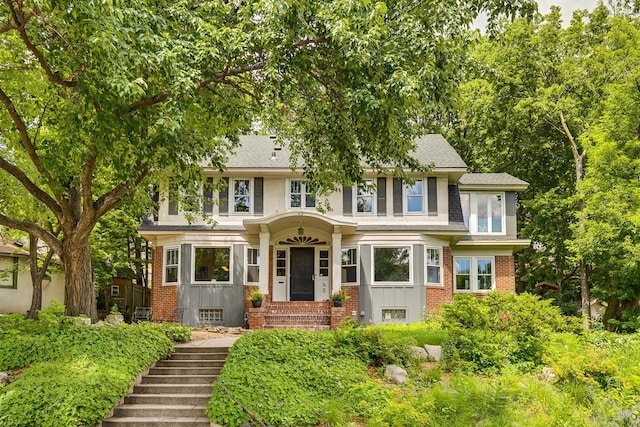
(189, 363)
(204, 370)
(173, 388)
(162, 410)
(193, 349)
(157, 422)
(179, 379)
(167, 399)
(198, 356)
(312, 328)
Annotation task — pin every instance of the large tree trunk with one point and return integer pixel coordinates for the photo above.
(36, 278)
(79, 296)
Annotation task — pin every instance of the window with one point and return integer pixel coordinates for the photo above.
(115, 290)
(300, 195)
(473, 274)
(323, 259)
(210, 316)
(212, 265)
(349, 265)
(171, 265)
(281, 263)
(394, 315)
(415, 197)
(392, 264)
(241, 195)
(9, 272)
(434, 266)
(482, 212)
(253, 265)
(365, 197)
(173, 199)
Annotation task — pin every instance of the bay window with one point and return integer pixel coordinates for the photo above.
(483, 212)
(392, 264)
(212, 264)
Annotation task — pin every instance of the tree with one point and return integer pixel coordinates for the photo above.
(126, 88)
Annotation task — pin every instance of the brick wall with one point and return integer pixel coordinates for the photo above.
(505, 274)
(352, 304)
(438, 295)
(164, 299)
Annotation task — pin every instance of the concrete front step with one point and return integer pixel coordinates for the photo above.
(168, 399)
(159, 410)
(299, 327)
(157, 422)
(198, 356)
(185, 371)
(189, 363)
(179, 379)
(173, 388)
(194, 349)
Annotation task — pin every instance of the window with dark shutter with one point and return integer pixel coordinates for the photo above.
(258, 199)
(397, 197)
(223, 201)
(207, 193)
(173, 199)
(347, 201)
(432, 195)
(382, 196)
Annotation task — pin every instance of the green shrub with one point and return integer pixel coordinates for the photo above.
(176, 332)
(72, 375)
(487, 334)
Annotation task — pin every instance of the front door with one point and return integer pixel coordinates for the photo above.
(301, 261)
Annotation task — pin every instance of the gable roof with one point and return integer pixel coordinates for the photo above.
(257, 152)
(491, 181)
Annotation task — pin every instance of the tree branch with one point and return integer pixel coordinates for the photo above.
(113, 197)
(35, 229)
(87, 180)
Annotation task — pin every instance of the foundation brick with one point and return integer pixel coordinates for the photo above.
(164, 299)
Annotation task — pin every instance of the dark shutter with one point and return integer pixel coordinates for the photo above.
(347, 200)
(223, 198)
(207, 194)
(258, 198)
(382, 196)
(173, 202)
(432, 195)
(397, 197)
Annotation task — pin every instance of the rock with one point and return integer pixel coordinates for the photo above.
(434, 351)
(4, 378)
(395, 374)
(418, 352)
(547, 374)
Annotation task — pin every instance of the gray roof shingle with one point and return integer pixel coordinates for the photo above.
(491, 179)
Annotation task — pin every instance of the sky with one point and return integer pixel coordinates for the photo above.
(544, 6)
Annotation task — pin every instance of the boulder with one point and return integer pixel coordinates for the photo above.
(395, 374)
(434, 351)
(418, 352)
(547, 374)
(4, 378)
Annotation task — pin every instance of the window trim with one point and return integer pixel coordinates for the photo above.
(473, 213)
(374, 199)
(405, 198)
(426, 265)
(357, 265)
(373, 266)
(247, 265)
(13, 282)
(393, 321)
(232, 196)
(165, 265)
(473, 274)
(193, 264)
(303, 195)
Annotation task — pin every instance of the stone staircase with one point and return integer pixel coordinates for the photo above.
(175, 392)
(308, 315)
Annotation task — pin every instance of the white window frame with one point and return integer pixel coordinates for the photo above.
(473, 212)
(357, 265)
(165, 265)
(473, 274)
(405, 197)
(211, 282)
(427, 265)
(232, 196)
(115, 290)
(303, 195)
(373, 265)
(372, 194)
(247, 264)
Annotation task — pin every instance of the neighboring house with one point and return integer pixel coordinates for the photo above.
(15, 281)
(399, 250)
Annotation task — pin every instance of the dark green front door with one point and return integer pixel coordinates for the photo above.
(301, 267)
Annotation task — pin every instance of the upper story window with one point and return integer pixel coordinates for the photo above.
(434, 265)
(422, 197)
(300, 195)
(415, 197)
(365, 197)
(242, 195)
(171, 265)
(253, 265)
(212, 264)
(392, 264)
(483, 212)
(349, 265)
(475, 274)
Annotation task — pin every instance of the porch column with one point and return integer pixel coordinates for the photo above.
(264, 259)
(336, 273)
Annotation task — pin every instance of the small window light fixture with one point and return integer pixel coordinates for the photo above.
(300, 231)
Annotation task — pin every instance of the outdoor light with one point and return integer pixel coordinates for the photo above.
(300, 231)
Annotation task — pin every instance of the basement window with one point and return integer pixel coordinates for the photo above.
(394, 315)
(210, 316)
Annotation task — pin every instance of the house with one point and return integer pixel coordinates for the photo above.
(16, 288)
(398, 250)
